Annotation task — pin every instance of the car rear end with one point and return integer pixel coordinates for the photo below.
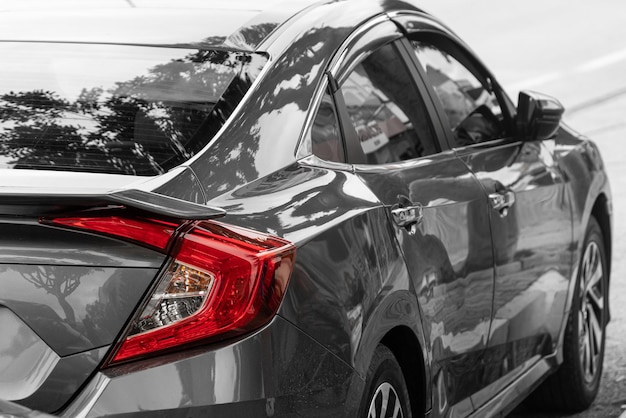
(100, 280)
(98, 271)
(123, 294)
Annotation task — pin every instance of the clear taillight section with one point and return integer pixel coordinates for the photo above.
(221, 281)
(182, 292)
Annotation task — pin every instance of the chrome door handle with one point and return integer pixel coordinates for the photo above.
(407, 216)
(502, 202)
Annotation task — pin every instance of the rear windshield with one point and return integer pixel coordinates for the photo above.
(115, 108)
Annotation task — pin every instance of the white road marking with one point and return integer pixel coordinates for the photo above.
(535, 81)
(602, 62)
(589, 66)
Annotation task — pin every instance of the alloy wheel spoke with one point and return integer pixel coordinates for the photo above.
(591, 366)
(372, 413)
(385, 404)
(591, 310)
(595, 277)
(596, 298)
(397, 411)
(385, 398)
(586, 355)
(595, 329)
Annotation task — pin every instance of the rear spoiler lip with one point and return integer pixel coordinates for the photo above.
(42, 204)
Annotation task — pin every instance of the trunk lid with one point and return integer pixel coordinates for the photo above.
(68, 294)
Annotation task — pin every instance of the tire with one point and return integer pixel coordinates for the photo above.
(386, 393)
(575, 385)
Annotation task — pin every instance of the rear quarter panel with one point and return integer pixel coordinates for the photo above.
(350, 285)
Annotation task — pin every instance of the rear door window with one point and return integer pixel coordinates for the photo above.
(115, 108)
(325, 137)
(386, 109)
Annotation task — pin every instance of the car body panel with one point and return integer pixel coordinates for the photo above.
(357, 278)
(61, 182)
(534, 275)
(350, 276)
(532, 244)
(252, 375)
(281, 99)
(453, 280)
(74, 371)
(589, 191)
(31, 370)
(74, 308)
(69, 295)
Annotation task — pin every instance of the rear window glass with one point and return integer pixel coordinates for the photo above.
(115, 108)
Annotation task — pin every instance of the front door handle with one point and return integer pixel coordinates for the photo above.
(407, 216)
(502, 202)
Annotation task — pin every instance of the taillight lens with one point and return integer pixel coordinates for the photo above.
(148, 232)
(222, 281)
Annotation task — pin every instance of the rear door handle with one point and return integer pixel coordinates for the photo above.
(407, 216)
(502, 202)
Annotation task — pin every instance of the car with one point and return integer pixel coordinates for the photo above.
(287, 208)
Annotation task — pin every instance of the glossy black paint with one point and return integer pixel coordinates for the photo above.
(472, 303)
(449, 257)
(532, 244)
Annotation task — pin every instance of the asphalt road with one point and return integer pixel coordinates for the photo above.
(575, 51)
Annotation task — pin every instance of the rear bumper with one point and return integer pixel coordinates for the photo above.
(278, 371)
(13, 410)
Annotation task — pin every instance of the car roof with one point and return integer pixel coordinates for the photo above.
(240, 24)
(234, 24)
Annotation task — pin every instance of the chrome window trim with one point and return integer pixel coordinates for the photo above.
(345, 49)
(336, 68)
(403, 165)
(304, 148)
(428, 22)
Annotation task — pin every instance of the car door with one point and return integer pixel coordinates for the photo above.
(529, 210)
(437, 207)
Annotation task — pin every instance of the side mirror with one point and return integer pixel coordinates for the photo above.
(538, 115)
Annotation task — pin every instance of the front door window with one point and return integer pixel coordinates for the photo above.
(473, 111)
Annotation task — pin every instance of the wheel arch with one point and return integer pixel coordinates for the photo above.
(404, 345)
(601, 211)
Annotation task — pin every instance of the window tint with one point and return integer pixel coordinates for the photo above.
(115, 108)
(472, 110)
(386, 109)
(325, 137)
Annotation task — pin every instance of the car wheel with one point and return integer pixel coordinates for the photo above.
(386, 394)
(575, 385)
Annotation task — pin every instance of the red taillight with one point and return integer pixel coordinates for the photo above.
(149, 232)
(222, 281)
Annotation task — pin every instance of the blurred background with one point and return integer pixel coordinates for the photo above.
(575, 51)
